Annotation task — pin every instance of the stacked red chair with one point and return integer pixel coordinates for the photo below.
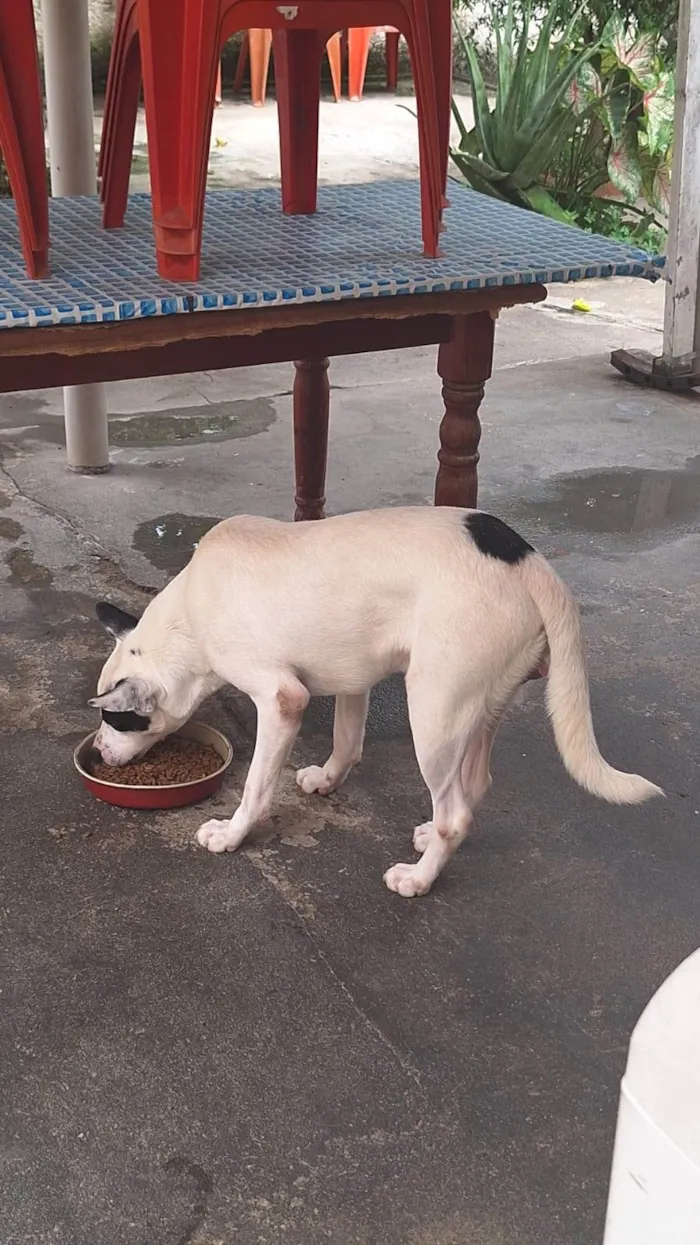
(22, 131)
(175, 46)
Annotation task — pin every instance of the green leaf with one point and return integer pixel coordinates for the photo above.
(624, 166)
(585, 90)
(482, 168)
(541, 62)
(639, 58)
(553, 98)
(616, 110)
(544, 151)
(660, 190)
(515, 105)
(659, 105)
(504, 53)
(464, 133)
(541, 201)
(614, 36)
(482, 111)
(475, 181)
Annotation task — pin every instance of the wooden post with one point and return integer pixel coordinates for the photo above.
(464, 363)
(311, 409)
(678, 367)
(682, 310)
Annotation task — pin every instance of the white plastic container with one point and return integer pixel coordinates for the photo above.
(655, 1184)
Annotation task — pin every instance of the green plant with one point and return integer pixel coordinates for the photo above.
(621, 146)
(637, 91)
(513, 144)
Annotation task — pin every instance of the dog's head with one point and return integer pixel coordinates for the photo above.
(132, 701)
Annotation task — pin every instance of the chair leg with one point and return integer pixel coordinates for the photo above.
(217, 88)
(22, 134)
(120, 40)
(440, 15)
(358, 51)
(418, 39)
(392, 60)
(180, 54)
(297, 78)
(241, 64)
(259, 48)
(118, 129)
(334, 54)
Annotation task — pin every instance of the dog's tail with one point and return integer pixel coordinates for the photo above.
(568, 701)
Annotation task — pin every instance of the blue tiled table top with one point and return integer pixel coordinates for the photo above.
(363, 242)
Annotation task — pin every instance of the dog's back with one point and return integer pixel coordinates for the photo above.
(348, 600)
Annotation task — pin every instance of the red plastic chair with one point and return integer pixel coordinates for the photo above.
(22, 132)
(256, 46)
(179, 44)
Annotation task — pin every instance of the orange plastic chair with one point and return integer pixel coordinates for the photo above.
(359, 40)
(256, 50)
(178, 43)
(22, 132)
(358, 51)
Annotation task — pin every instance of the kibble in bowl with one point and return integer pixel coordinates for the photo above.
(182, 769)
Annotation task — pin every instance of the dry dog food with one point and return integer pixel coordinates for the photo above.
(171, 760)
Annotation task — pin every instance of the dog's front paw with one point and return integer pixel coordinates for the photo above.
(421, 834)
(313, 780)
(216, 836)
(406, 881)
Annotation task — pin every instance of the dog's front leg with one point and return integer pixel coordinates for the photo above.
(279, 718)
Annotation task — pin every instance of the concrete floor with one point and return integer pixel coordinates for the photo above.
(269, 1047)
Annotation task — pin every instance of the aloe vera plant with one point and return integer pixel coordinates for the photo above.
(517, 140)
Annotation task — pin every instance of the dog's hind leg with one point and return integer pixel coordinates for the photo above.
(442, 734)
(280, 712)
(348, 738)
(476, 779)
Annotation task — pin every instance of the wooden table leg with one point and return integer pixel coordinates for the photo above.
(311, 407)
(464, 364)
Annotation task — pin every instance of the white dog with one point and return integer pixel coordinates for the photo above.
(453, 599)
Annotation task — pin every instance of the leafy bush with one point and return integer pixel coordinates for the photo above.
(622, 143)
(582, 134)
(511, 147)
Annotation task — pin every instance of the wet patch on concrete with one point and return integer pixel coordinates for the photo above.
(170, 540)
(26, 420)
(25, 572)
(10, 529)
(627, 501)
(193, 425)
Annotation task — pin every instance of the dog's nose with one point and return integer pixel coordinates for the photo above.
(94, 756)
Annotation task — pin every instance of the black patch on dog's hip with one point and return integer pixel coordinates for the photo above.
(495, 539)
(126, 721)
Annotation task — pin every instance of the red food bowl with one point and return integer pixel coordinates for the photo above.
(170, 795)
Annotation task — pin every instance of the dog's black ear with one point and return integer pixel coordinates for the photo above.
(116, 622)
(127, 696)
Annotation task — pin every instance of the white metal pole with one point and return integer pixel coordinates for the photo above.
(69, 114)
(682, 309)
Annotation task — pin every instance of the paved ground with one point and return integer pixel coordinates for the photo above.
(270, 1047)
